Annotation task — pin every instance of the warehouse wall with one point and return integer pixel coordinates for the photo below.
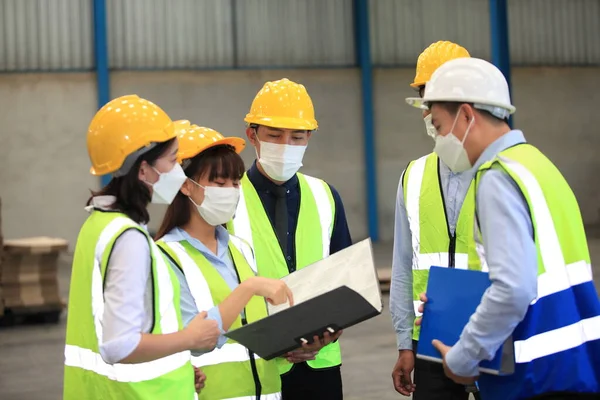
(44, 177)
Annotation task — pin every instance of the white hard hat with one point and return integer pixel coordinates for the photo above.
(469, 80)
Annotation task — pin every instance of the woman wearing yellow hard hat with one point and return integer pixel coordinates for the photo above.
(125, 338)
(216, 268)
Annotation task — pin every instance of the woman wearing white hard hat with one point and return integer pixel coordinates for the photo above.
(542, 293)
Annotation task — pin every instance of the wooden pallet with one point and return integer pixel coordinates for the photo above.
(49, 314)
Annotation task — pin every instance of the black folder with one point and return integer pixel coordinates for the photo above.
(282, 332)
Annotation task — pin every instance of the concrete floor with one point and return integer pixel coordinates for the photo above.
(31, 359)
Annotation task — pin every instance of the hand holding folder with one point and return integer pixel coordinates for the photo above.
(334, 293)
(443, 350)
(453, 296)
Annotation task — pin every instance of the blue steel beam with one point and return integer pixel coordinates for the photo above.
(363, 57)
(101, 57)
(500, 40)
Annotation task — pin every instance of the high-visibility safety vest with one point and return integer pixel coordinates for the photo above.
(432, 241)
(87, 375)
(232, 372)
(557, 345)
(313, 235)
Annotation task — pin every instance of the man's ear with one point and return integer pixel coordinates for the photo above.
(251, 134)
(468, 112)
(308, 135)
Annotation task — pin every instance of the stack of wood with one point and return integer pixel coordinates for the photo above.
(29, 277)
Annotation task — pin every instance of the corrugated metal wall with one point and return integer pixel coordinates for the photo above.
(163, 34)
(295, 32)
(542, 32)
(169, 33)
(401, 29)
(555, 32)
(229, 33)
(45, 35)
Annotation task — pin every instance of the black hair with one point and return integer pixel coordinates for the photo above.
(132, 195)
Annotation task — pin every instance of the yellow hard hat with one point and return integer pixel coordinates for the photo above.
(433, 57)
(196, 139)
(283, 104)
(123, 126)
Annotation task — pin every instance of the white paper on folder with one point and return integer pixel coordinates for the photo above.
(353, 267)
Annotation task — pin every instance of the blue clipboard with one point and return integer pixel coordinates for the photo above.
(452, 297)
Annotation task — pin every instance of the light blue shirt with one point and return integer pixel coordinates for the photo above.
(221, 262)
(454, 187)
(511, 255)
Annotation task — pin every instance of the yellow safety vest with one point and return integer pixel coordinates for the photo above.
(313, 234)
(432, 242)
(87, 375)
(232, 372)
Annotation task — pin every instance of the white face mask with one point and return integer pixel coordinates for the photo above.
(451, 150)
(219, 204)
(168, 184)
(431, 131)
(280, 161)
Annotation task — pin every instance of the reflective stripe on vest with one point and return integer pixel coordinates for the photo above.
(79, 357)
(560, 333)
(241, 221)
(230, 352)
(272, 396)
(312, 240)
(433, 234)
(557, 277)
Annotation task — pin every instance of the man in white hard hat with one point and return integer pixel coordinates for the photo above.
(529, 223)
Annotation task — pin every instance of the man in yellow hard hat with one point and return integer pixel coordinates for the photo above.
(433, 226)
(292, 220)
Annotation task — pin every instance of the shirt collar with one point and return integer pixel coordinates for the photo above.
(178, 235)
(505, 141)
(104, 203)
(263, 184)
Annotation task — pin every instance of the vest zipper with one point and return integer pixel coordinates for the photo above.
(253, 367)
(452, 252)
(452, 237)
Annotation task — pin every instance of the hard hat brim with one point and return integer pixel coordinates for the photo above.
(416, 85)
(283, 123)
(416, 102)
(237, 143)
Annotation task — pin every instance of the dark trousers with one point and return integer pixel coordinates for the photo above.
(305, 383)
(432, 383)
